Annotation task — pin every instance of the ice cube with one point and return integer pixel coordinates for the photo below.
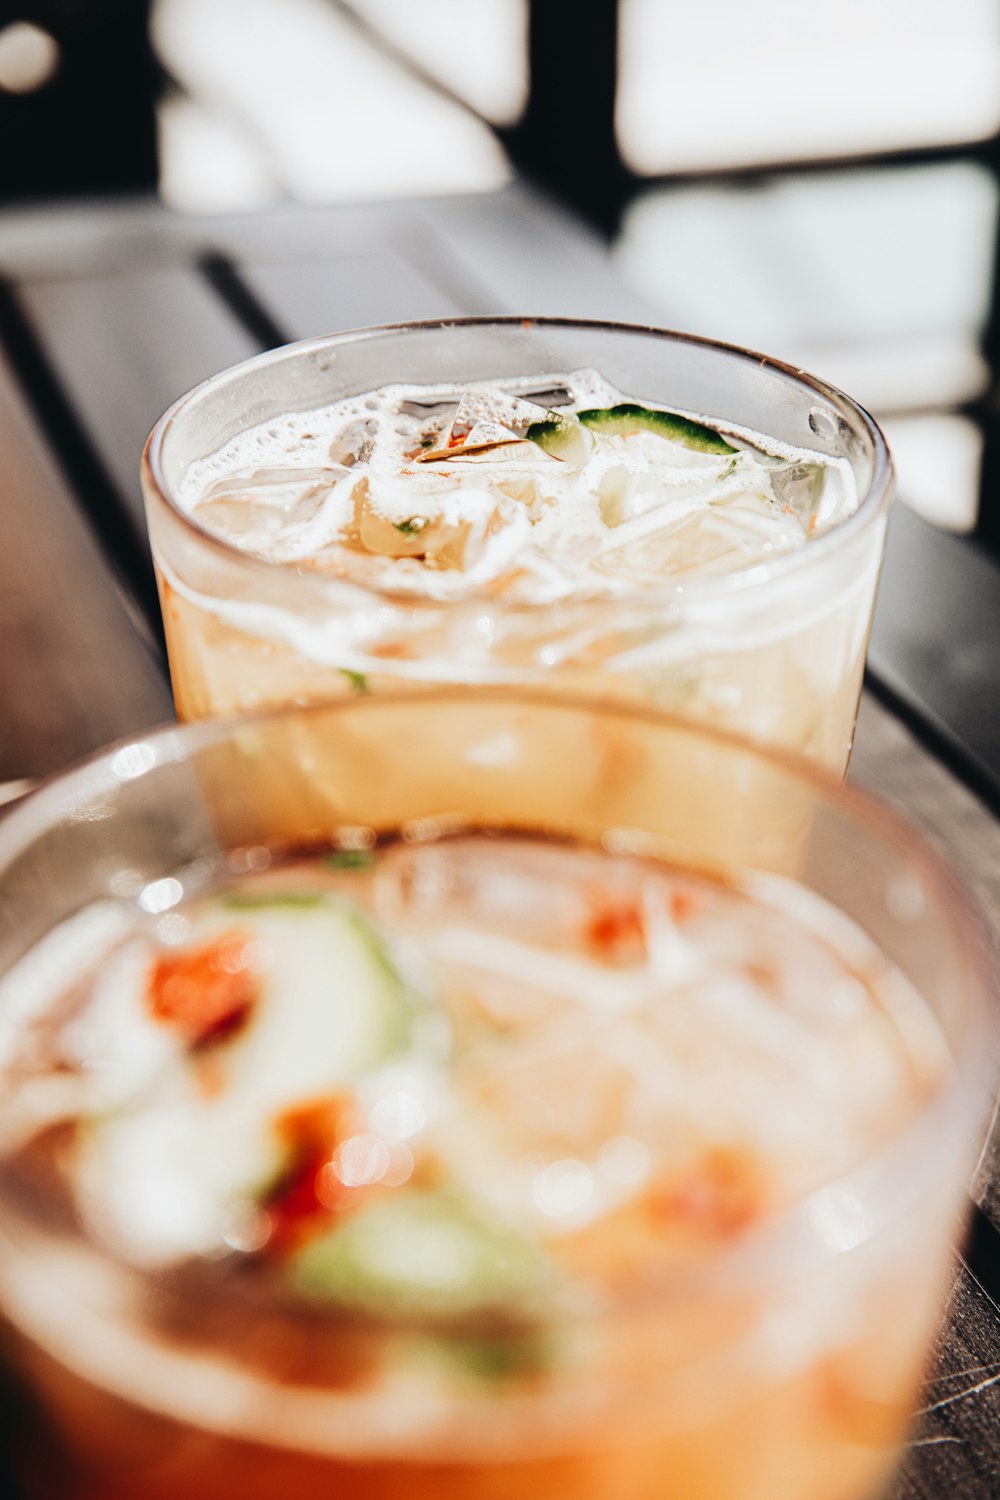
(254, 510)
(799, 485)
(498, 407)
(496, 548)
(661, 522)
(625, 495)
(542, 919)
(486, 434)
(629, 480)
(711, 531)
(820, 494)
(428, 515)
(531, 892)
(562, 1104)
(353, 443)
(277, 488)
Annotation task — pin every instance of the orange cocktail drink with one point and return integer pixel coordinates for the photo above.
(587, 507)
(410, 1097)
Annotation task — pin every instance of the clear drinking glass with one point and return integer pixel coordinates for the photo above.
(784, 1365)
(775, 651)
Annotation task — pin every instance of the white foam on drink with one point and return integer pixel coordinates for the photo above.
(516, 521)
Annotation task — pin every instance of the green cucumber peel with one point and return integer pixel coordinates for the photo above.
(560, 436)
(248, 901)
(350, 859)
(627, 417)
(497, 1357)
(393, 1258)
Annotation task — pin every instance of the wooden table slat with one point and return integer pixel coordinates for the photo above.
(532, 257)
(77, 668)
(307, 297)
(124, 346)
(936, 638)
(953, 1454)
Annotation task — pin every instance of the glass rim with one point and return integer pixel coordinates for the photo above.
(782, 1236)
(708, 587)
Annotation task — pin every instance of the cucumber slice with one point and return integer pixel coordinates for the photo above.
(332, 1006)
(562, 437)
(625, 418)
(505, 1357)
(422, 1254)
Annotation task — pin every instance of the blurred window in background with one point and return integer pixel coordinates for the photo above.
(728, 84)
(881, 277)
(821, 183)
(323, 103)
(476, 48)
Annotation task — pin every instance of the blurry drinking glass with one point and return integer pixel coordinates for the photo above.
(411, 1097)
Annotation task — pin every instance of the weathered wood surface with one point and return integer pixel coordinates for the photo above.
(126, 344)
(954, 1453)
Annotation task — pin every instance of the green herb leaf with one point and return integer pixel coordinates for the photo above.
(351, 859)
(413, 527)
(423, 1252)
(246, 901)
(358, 680)
(502, 1357)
